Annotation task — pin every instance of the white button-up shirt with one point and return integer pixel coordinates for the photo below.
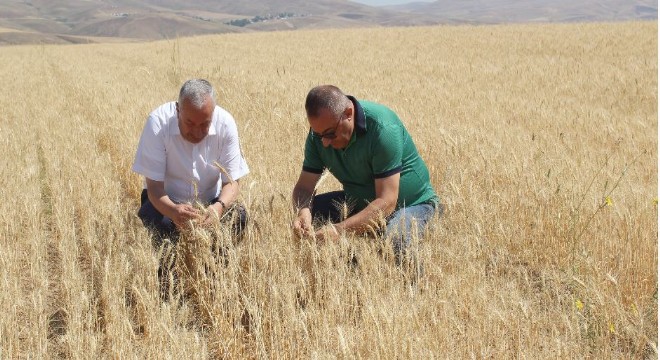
(188, 169)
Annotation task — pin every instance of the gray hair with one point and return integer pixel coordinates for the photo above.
(326, 97)
(197, 91)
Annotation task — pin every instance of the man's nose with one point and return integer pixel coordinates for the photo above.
(326, 142)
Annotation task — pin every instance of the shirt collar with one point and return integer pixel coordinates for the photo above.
(360, 118)
(214, 120)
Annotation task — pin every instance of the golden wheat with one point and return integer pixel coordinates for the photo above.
(541, 141)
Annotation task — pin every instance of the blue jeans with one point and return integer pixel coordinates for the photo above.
(406, 223)
(402, 225)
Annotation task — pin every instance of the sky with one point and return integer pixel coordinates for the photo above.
(387, 2)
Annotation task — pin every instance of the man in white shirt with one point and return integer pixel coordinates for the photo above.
(189, 152)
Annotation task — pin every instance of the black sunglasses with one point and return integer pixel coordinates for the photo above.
(330, 135)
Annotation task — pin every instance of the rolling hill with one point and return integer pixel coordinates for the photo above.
(508, 11)
(75, 21)
(59, 21)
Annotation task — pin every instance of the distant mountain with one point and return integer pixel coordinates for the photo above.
(78, 20)
(507, 11)
(73, 21)
(386, 2)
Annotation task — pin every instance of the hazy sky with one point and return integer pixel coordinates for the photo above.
(387, 2)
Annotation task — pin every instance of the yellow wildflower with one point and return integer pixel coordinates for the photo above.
(578, 304)
(608, 201)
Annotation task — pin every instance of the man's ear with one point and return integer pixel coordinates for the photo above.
(348, 112)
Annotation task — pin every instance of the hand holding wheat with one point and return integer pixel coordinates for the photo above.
(327, 234)
(183, 214)
(211, 215)
(302, 225)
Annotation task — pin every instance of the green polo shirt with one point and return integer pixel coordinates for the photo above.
(380, 147)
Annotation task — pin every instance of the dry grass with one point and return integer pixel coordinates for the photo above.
(541, 139)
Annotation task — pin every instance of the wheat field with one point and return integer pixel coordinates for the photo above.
(541, 141)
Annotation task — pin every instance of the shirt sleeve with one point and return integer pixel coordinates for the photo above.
(150, 156)
(312, 162)
(387, 150)
(231, 156)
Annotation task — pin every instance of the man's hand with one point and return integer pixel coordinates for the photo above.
(301, 200)
(326, 234)
(182, 213)
(302, 225)
(212, 215)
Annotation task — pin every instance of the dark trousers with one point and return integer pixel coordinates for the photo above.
(164, 228)
(327, 207)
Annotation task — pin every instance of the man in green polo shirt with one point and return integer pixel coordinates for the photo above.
(366, 147)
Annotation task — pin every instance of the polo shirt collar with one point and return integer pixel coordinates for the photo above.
(360, 118)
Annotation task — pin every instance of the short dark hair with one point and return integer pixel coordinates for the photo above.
(326, 97)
